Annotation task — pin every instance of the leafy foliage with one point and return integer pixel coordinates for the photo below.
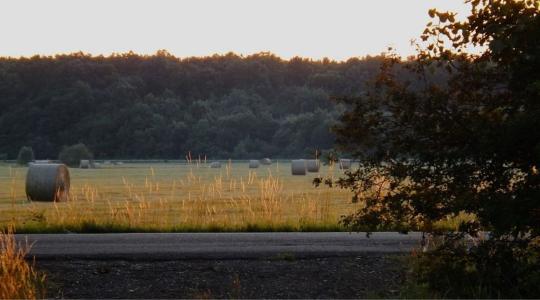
(25, 156)
(497, 268)
(430, 151)
(73, 155)
(161, 106)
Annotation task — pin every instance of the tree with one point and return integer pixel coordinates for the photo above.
(26, 155)
(73, 155)
(127, 105)
(469, 145)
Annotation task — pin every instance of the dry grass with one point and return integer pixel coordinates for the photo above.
(190, 197)
(18, 278)
(174, 197)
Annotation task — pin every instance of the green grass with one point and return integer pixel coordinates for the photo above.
(92, 227)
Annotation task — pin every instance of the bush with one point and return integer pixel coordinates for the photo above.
(26, 155)
(499, 268)
(73, 155)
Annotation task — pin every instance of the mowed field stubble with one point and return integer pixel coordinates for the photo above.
(179, 197)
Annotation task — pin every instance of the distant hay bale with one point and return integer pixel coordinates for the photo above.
(215, 165)
(47, 182)
(298, 167)
(266, 161)
(344, 164)
(42, 161)
(85, 164)
(88, 164)
(313, 165)
(253, 164)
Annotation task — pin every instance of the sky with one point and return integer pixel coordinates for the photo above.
(337, 29)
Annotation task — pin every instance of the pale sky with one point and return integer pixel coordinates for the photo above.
(337, 29)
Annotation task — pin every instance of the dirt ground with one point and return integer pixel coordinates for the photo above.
(282, 276)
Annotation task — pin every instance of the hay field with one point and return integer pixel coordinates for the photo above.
(141, 197)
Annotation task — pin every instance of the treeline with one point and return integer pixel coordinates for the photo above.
(161, 106)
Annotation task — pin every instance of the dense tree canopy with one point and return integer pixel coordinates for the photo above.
(433, 151)
(160, 106)
(470, 144)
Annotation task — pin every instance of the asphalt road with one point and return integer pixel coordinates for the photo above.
(169, 246)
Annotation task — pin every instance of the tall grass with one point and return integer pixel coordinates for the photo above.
(183, 198)
(18, 278)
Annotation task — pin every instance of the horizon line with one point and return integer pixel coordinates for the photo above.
(166, 53)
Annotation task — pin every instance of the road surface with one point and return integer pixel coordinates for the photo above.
(171, 246)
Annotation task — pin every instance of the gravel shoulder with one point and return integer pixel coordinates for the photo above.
(284, 275)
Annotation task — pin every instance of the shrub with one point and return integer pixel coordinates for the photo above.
(329, 157)
(500, 268)
(26, 155)
(72, 155)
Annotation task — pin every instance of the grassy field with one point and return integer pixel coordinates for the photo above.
(168, 197)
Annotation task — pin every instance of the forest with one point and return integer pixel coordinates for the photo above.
(161, 106)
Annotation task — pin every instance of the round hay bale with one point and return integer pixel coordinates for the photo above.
(85, 164)
(215, 165)
(298, 167)
(266, 161)
(47, 182)
(344, 164)
(253, 164)
(313, 165)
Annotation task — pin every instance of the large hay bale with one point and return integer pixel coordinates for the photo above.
(298, 167)
(253, 164)
(313, 165)
(344, 163)
(215, 165)
(266, 161)
(47, 182)
(85, 164)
